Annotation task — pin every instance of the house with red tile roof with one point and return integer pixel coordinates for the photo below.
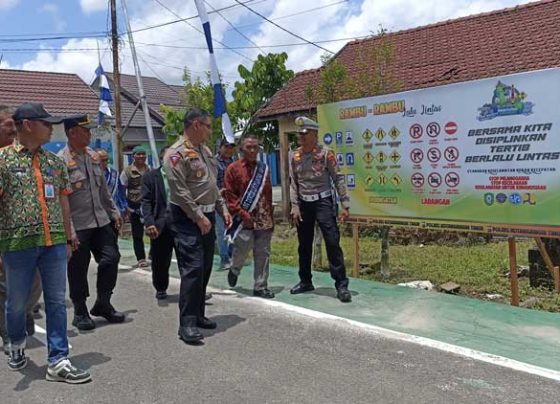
(512, 40)
(60, 93)
(67, 94)
(502, 42)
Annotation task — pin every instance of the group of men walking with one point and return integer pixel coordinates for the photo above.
(57, 211)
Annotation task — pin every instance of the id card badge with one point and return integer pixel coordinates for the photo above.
(49, 191)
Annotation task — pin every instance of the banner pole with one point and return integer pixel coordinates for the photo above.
(513, 271)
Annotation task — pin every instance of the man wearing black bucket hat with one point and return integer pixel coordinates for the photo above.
(92, 210)
(35, 234)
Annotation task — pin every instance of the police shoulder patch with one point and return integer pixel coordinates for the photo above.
(175, 158)
(331, 157)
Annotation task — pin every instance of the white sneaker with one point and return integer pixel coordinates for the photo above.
(65, 372)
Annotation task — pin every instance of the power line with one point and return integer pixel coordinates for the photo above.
(283, 29)
(199, 31)
(295, 14)
(255, 47)
(234, 28)
(9, 38)
(191, 17)
(157, 75)
(180, 68)
(146, 44)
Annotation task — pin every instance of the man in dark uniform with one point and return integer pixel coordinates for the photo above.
(194, 200)
(92, 210)
(157, 222)
(313, 170)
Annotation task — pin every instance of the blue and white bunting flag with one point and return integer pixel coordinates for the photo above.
(104, 95)
(219, 100)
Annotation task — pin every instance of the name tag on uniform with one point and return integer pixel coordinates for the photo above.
(49, 191)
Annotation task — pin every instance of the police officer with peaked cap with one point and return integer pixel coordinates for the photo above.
(93, 212)
(194, 201)
(313, 170)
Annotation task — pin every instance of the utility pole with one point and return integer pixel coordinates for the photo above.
(116, 84)
(143, 102)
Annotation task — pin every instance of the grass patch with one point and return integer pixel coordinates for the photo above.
(478, 268)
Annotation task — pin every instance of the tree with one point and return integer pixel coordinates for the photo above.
(198, 93)
(267, 75)
(373, 77)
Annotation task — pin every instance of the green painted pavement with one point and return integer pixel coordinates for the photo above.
(528, 336)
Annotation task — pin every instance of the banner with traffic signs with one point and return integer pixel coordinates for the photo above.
(475, 156)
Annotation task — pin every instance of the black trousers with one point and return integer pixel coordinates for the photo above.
(195, 256)
(162, 251)
(323, 212)
(137, 229)
(102, 243)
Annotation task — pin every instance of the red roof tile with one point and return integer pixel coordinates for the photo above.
(512, 40)
(60, 93)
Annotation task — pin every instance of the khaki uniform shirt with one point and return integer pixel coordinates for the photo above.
(191, 173)
(312, 173)
(30, 189)
(91, 205)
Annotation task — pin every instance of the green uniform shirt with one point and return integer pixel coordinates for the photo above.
(30, 186)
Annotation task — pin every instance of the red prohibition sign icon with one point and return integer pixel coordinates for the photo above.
(451, 153)
(450, 128)
(434, 154)
(433, 129)
(416, 155)
(417, 180)
(415, 131)
(452, 179)
(434, 180)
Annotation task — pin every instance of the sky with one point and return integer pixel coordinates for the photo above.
(71, 35)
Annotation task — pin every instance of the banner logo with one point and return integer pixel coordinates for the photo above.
(506, 100)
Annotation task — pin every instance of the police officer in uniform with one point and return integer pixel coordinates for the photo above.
(194, 201)
(92, 210)
(313, 170)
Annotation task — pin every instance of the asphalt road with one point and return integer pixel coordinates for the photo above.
(259, 354)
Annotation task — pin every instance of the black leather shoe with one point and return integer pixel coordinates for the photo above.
(83, 322)
(108, 312)
(264, 293)
(190, 335)
(302, 288)
(344, 295)
(161, 295)
(205, 322)
(231, 279)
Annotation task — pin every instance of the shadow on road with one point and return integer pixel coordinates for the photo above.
(330, 292)
(225, 322)
(33, 372)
